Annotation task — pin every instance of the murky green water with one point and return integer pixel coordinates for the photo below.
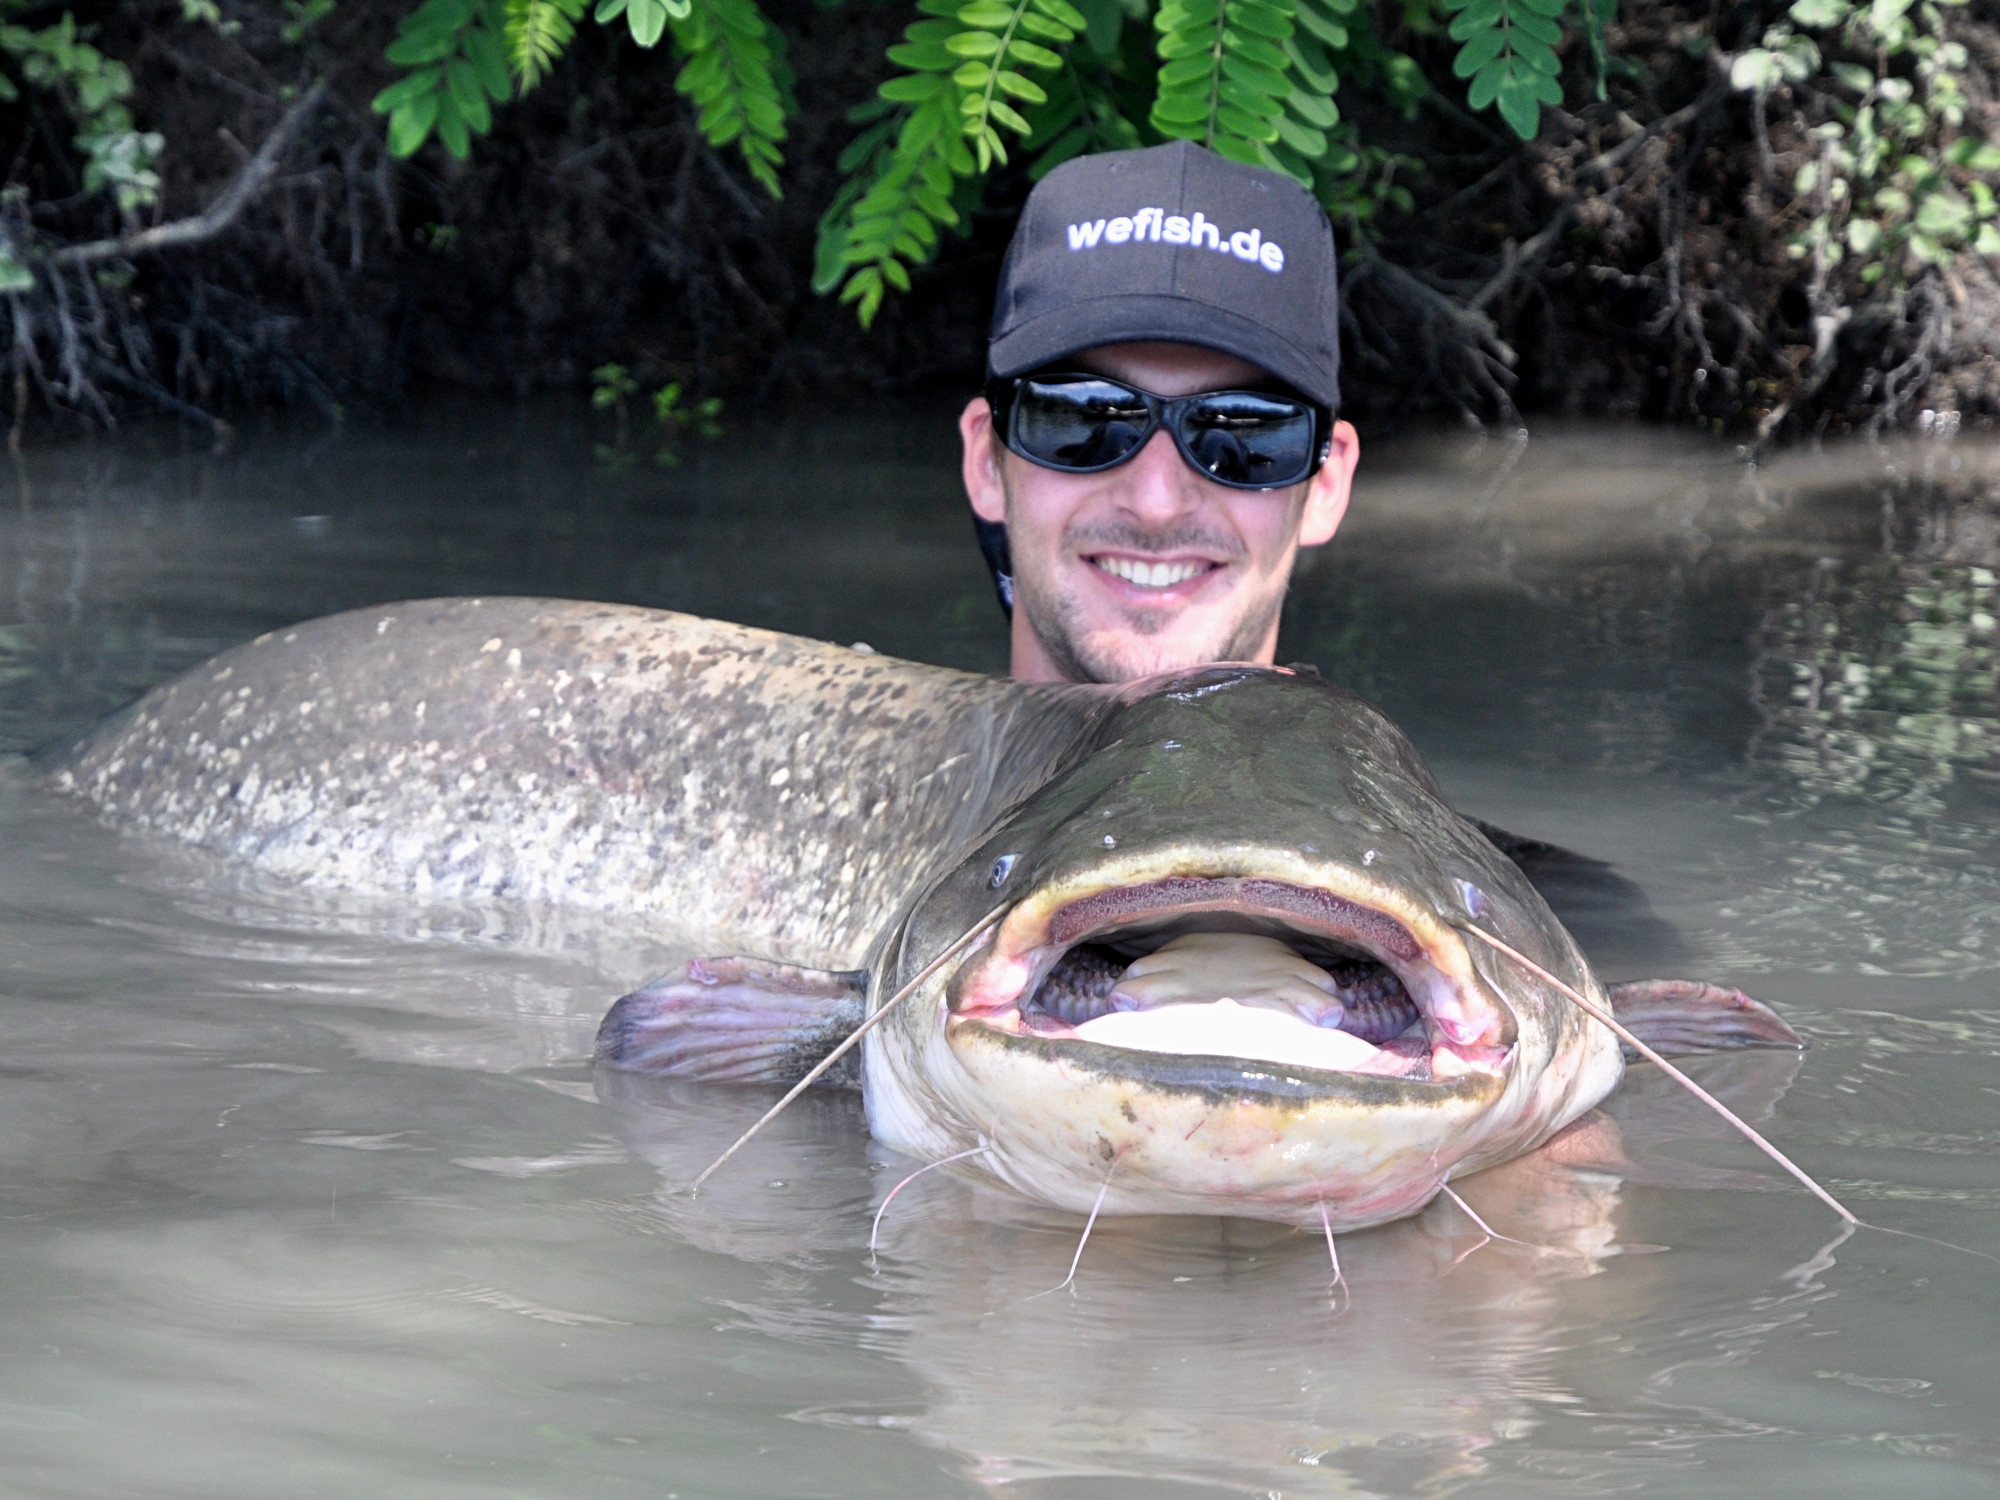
(300, 1197)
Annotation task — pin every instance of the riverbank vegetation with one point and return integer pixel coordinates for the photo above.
(1768, 217)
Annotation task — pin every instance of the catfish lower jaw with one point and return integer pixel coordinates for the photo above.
(1316, 980)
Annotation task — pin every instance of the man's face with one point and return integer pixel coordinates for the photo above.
(1150, 566)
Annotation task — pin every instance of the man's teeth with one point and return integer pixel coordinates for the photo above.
(1157, 575)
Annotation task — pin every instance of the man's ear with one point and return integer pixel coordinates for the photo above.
(980, 467)
(1327, 491)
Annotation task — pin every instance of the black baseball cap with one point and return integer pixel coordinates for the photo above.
(1178, 244)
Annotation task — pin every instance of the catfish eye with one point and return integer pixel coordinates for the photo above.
(1002, 868)
(1473, 897)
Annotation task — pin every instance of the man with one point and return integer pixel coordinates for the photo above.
(1157, 438)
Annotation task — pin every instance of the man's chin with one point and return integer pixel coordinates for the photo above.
(1122, 655)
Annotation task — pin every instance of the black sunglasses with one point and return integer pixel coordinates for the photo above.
(1082, 423)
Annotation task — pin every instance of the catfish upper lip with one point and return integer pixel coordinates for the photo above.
(1459, 1015)
(1318, 910)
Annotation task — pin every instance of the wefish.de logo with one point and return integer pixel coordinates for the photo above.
(1154, 225)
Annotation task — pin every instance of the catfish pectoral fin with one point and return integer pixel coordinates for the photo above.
(1681, 1016)
(735, 1020)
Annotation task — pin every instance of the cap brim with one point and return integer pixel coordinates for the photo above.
(1132, 318)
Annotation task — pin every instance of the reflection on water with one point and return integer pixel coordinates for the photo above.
(315, 1195)
(1878, 681)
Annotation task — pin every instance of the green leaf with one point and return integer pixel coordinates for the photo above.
(1303, 139)
(412, 48)
(1185, 69)
(1261, 19)
(1104, 24)
(1536, 56)
(1331, 32)
(914, 88)
(1478, 52)
(1485, 85)
(1969, 151)
(451, 131)
(974, 44)
(923, 57)
(972, 75)
(1821, 13)
(1031, 53)
(1021, 88)
(986, 14)
(1241, 123)
(647, 20)
(1182, 109)
(1186, 44)
(410, 123)
(1250, 153)
(1755, 71)
(1041, 26)
(1309, 68)
(1256, 49)
(1250, 76)
(1063, 11)
(407, 90)
(468, 96)
(1541, 28)
(1518, 106)
(1250, 101)
(1313, 109)
(488, 56)
(1481, 15)
(1007, 115)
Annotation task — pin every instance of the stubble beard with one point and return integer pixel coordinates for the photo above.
(1056, 614)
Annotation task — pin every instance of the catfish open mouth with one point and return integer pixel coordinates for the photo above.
(1240, 967)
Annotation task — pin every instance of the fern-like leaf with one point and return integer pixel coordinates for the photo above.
(537, 33)
(1224, 75)
(456, 54)
(732, 75)
(970, 73)
(1508, 57)
(1082, 116)
(1003, 41)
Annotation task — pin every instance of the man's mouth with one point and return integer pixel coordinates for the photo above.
(1144, 573)
(1249, 968)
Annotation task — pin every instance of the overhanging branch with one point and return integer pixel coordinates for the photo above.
(220, 214)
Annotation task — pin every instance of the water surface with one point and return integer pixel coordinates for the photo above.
(304, 1196)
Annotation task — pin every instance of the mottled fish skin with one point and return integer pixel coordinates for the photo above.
(776, 794)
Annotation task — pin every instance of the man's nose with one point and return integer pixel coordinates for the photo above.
(1156, 481)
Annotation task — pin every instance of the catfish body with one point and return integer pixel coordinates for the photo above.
(840, 819)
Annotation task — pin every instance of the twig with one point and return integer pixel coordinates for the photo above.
(220, 214)
(1531, 252)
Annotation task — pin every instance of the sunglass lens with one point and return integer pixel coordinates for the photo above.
(1078, 424)
(1246, 439)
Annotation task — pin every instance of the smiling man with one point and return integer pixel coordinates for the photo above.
(1157, 436)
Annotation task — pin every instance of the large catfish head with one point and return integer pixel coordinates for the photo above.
(1231, 977)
